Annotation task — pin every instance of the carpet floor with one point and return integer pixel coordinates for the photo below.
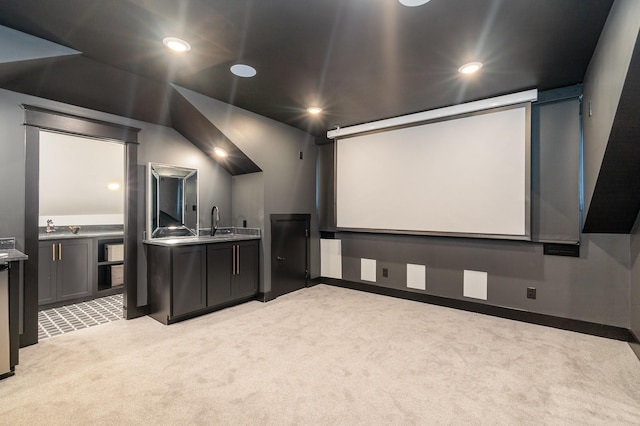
(324, 356)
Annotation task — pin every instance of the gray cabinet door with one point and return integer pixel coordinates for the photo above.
(46, 273)
(246, 278)
(188, 279)
(74, 269)
(219, 268)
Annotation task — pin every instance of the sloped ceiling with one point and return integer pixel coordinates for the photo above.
(361, 60)
(615, 202)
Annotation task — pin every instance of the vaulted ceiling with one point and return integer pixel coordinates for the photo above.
(360, 60)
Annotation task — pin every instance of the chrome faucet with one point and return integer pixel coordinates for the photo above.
(50, 226)
(215, 218)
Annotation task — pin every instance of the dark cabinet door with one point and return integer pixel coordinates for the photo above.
(219, 270)
(189, 279)
(46, 273)
(74, 271)
(246, 276)
(289, 248)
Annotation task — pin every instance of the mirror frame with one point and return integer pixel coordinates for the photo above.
(177, 231)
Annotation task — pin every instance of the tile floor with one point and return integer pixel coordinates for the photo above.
(65, 319)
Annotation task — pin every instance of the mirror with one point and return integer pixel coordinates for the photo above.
(172, 203)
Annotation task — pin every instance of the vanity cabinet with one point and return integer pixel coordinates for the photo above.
(189, 280)
(65, 270)
(232, 271)
(188, 290)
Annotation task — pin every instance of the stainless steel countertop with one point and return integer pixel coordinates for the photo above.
(203, 239)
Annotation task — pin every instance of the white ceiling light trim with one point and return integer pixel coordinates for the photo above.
(242, 70)
(470, 68)
(176, 44)
(220, 152)
(483, 104)
(314, 110)
(413, 3)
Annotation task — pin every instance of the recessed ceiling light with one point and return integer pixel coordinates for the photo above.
(242, 70)
(220, 152)
(314, 110)
(413, 3)
(176, 44)
(113, 186)
(470, 68)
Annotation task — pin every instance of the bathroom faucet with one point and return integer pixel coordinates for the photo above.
(215, 218)
(50, 226)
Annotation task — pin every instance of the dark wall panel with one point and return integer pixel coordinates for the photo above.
(326, 188)
(616, 197)
(634, 302)
(593, 287)
(555, 170)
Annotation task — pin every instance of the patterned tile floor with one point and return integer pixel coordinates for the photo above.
(65, 319)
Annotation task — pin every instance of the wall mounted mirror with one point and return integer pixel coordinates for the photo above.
(172, 201)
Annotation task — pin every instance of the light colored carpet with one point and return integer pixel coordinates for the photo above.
(324, 355)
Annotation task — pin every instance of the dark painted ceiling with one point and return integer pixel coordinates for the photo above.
(361, 60)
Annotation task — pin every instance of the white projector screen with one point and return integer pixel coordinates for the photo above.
(466, 175)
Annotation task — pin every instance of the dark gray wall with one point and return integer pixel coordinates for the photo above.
(289, 182)
(247, 203)
(12, 167)
(634, 292)
(603, 85)
(157, 144)
(593, 287)
(326, 187)
(555, 168)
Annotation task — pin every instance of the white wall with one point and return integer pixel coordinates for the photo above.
(74, 187)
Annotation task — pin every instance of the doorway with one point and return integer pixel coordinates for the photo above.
(289, 252)
(37, 119)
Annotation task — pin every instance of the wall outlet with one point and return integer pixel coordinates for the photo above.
(531, 292)
(385, 272)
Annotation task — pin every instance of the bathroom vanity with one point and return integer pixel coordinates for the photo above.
(74, 266)
(191, 276)
(189, 273)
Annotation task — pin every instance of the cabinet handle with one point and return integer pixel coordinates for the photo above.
(53, 252)
(238, 261)
(60, 251)
(233, 264)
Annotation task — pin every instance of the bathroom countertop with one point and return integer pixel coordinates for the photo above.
(90, 231)
(88, 234)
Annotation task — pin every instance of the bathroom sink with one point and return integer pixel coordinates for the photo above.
(223, 235)
(202, 239)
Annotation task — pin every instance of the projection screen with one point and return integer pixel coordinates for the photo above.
(464, 176)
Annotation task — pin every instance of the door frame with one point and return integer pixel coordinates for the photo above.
(293, 216)
(37, 119)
